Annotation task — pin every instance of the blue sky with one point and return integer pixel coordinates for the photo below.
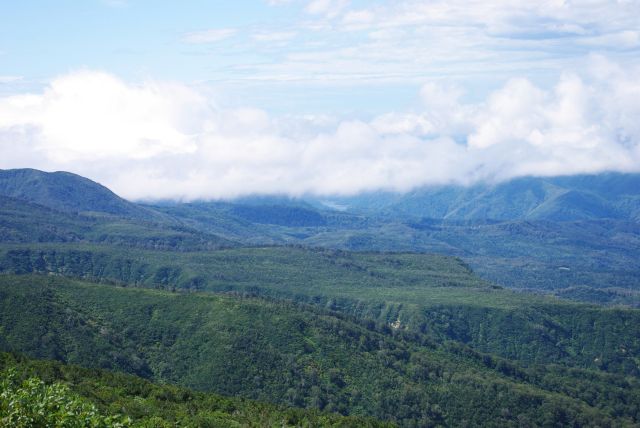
(319, 88)
(142, 39)
(331, 58)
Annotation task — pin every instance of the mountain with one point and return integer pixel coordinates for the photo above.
(576, 233)
(581, 197)
(535, 234)
(66, 192)
(574, 198)
(61, 207)
(22, 222)
(259, 221)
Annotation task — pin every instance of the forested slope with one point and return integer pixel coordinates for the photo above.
(429, 294)
(47, 393)
(297, 355)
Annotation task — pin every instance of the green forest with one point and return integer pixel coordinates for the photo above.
(221, 315)
(47, 393)
(299, 356)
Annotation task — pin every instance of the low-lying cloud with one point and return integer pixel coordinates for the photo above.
(167, 140)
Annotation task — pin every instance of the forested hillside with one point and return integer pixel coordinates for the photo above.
(576, 237)
(299, 356)
(22, 221)
(422, 293)
(47, 393)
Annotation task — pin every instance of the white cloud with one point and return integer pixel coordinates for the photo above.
(166, 140)
(90, 115)
(519, 17)
(209, 36)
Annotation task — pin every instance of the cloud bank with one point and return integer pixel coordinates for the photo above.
(156, 140)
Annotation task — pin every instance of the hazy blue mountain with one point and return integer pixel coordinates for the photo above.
(260, 221)
(87, 213)
(64, 191)
(610, 195)
(279, 214)
(603, 196)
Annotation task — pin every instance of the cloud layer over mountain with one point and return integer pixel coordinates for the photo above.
(167, 140)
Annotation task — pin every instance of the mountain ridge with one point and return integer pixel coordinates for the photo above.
(517, 234)
(561, 198)
(66, 192)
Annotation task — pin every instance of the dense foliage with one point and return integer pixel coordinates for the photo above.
(299, 356)
(32, 403)
(429, 294)
(71, 396)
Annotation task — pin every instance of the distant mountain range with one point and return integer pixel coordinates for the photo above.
(572, 198)
(577, 236)
(580, 197)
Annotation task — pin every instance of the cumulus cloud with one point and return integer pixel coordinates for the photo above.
(167, 140)
(88, 115)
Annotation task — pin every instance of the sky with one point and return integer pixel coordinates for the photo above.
(218, 99)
